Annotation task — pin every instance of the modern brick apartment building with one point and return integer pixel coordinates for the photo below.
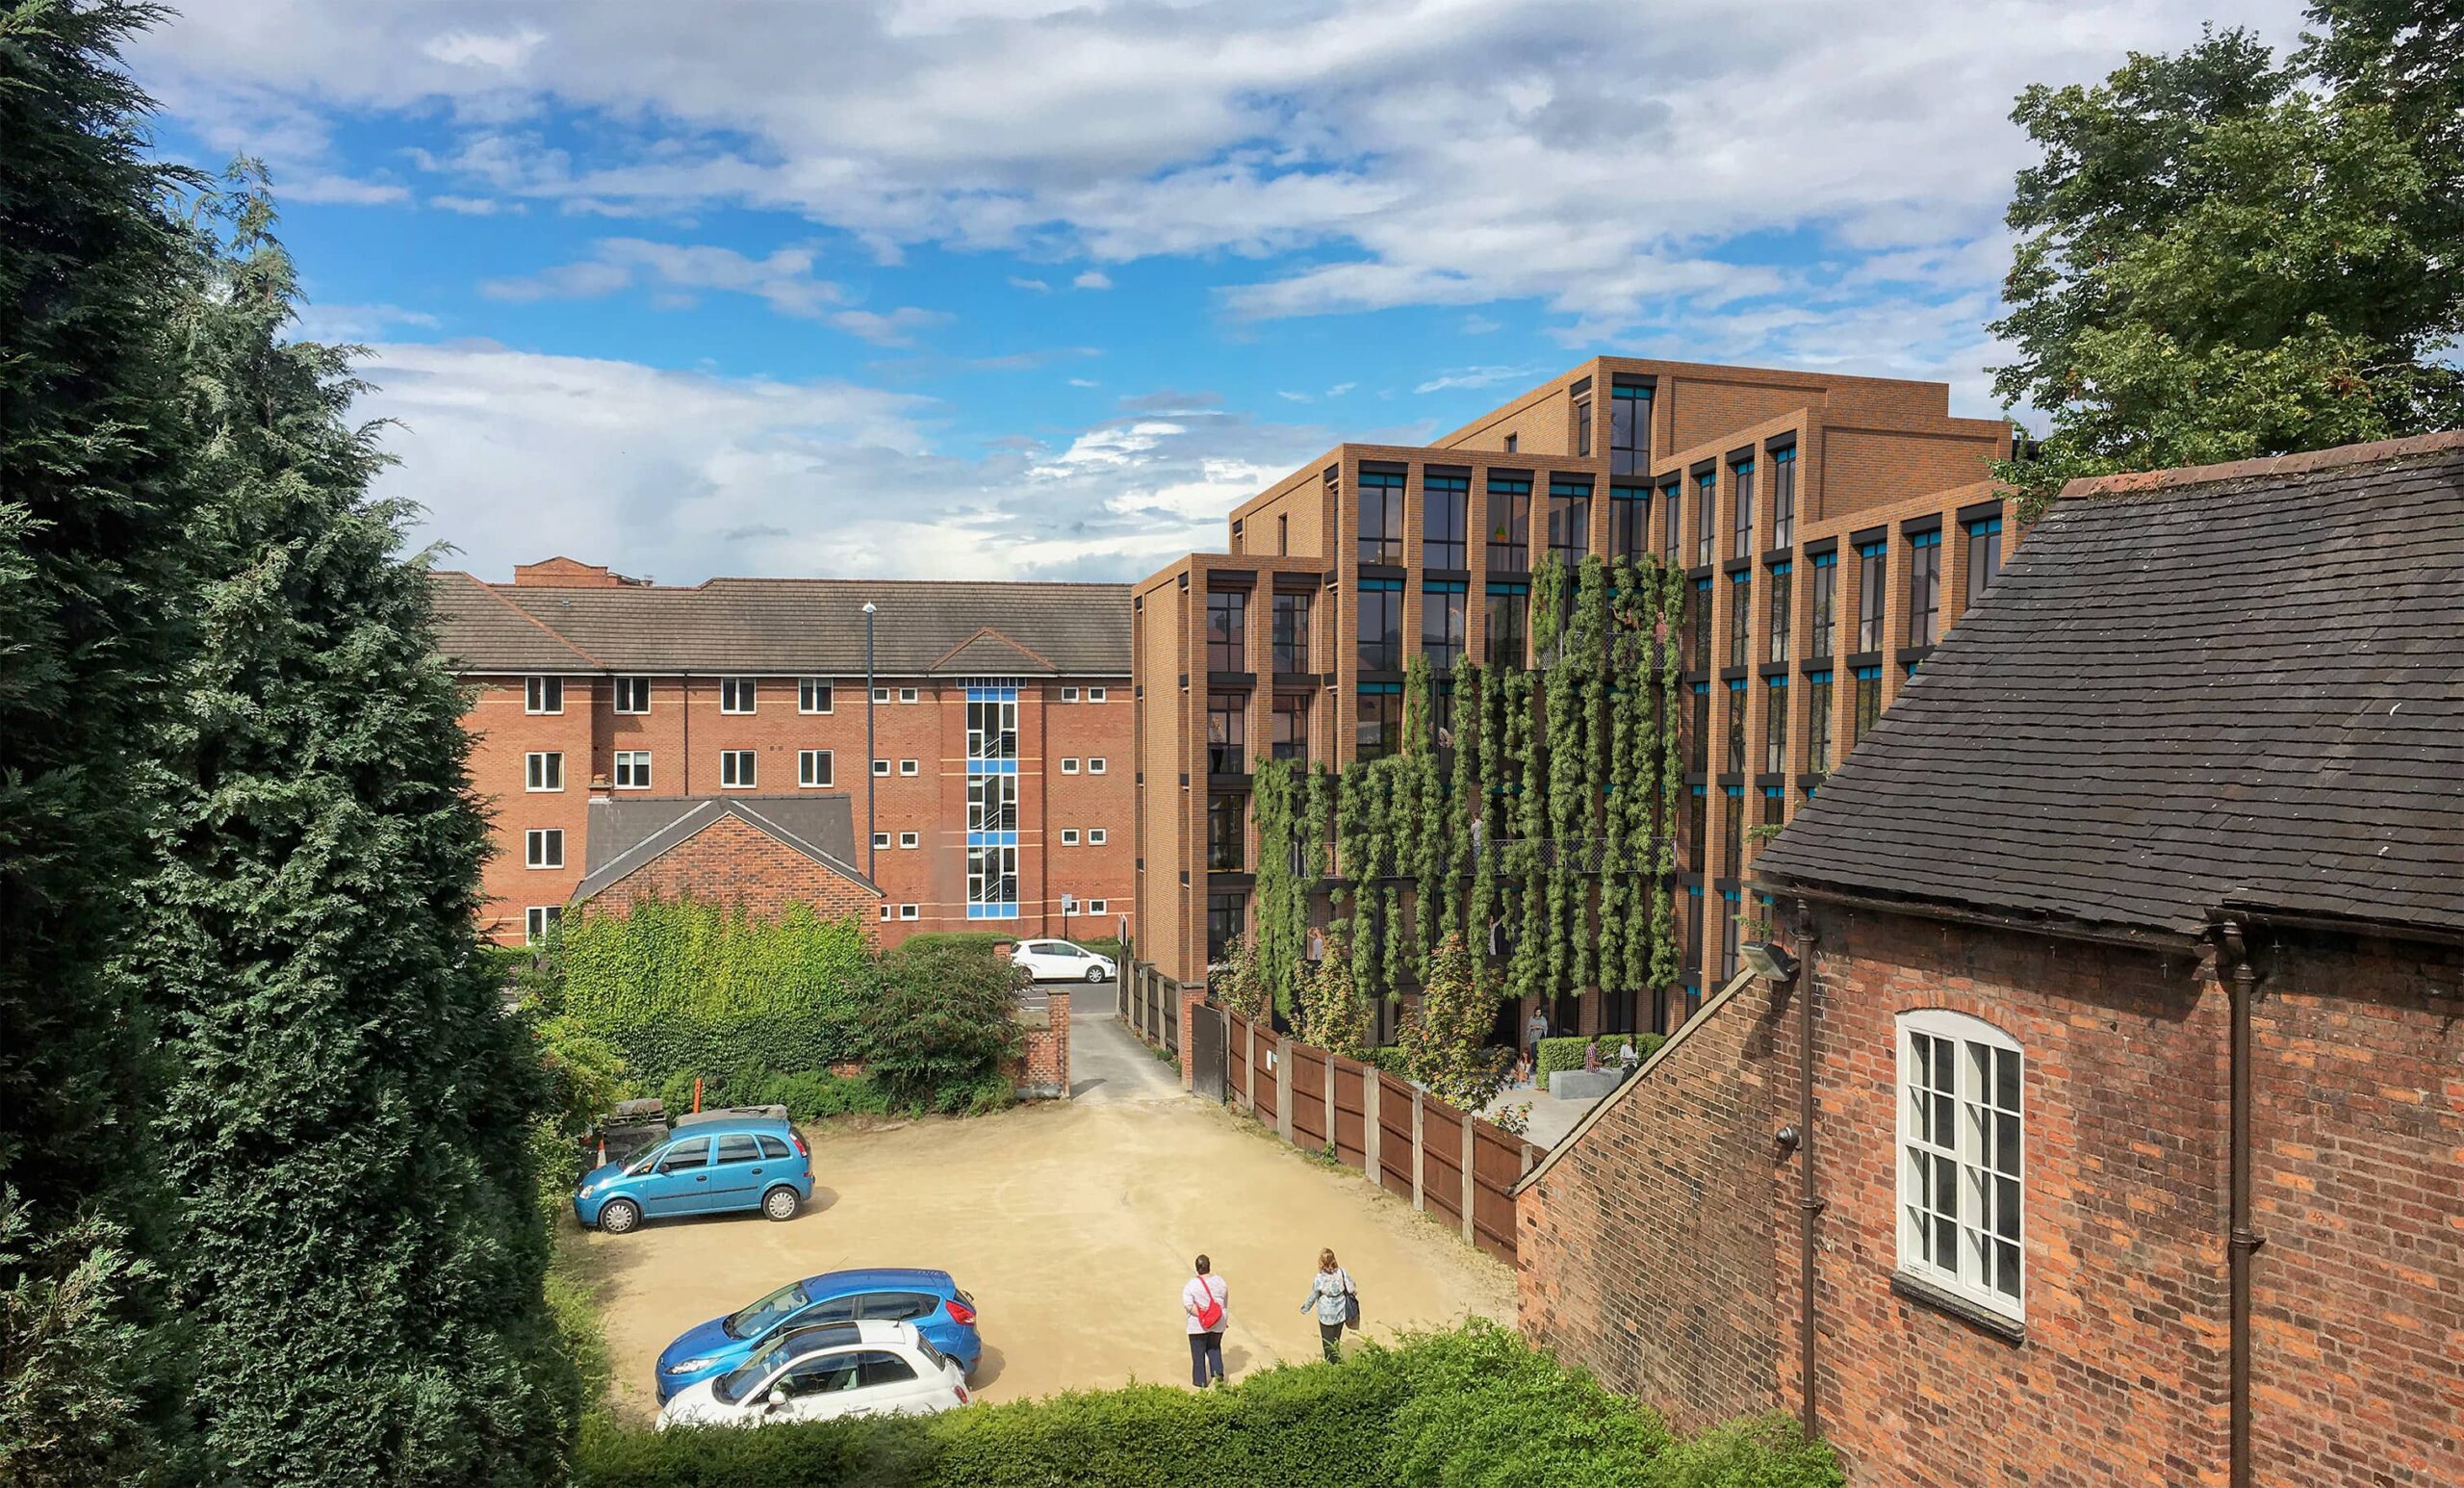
(2111, 1129)
(998, 785)
(1831, 529)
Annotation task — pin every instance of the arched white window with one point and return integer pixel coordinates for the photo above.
(1961, 1130)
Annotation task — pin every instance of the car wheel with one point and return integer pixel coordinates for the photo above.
(1095, 973)
(620, 1217)
(781, 1203)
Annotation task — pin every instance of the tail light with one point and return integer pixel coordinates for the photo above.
(798, 1138)
(961, 1313)
(961, 1389)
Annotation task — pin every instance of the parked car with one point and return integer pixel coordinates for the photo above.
(1061, 961)
(715, 1167)
(818, 1373)
(929, 1302)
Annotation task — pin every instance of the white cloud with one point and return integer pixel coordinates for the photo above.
(1037, 286)
(501, 52)
(477, 206)
(1476, 377)
(357, 322)
(1479, 324)
(785, 280)
(1092, 279)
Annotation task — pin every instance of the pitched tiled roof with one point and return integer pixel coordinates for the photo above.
(2240, 687)
(625, 835)
(782, 627)
(987, 652)
(481, 630)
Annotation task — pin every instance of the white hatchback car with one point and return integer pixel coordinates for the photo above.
(821, 1372)
(1060, 960)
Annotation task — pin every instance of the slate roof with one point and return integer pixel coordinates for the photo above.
(2234, 686)
(624, 834)
(784, 627)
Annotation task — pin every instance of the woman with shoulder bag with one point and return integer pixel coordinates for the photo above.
(1337, 1303)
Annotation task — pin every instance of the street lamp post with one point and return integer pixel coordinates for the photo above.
(872, 842)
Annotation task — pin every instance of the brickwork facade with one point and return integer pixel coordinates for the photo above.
(2115, 1369)
(731, 862)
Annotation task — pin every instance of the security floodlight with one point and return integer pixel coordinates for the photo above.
(1769, 959)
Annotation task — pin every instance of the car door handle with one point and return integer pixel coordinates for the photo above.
(701, 1178)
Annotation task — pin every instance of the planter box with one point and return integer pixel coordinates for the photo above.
(1579, 1085)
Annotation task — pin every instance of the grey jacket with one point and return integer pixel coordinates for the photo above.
(1328, 1293)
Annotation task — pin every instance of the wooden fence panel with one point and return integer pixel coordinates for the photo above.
(1308, 1096)
(1442, 1159)
(1235, 1059)
(1351, 1112)
(1496, 1163)
(1271, 1056)
(1395, 1134)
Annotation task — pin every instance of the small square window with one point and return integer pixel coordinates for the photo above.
(1070, 836)
(737, 769)
(907, 839)
(541, 920)
(1095, 907)
(544, 771)
(543, 695)
(889, 911)
(632, 694)
(813, 768)
(543, 847)
(1068, 694)
(880, 694)
(1069, 767)
(813, 695)
(881, 839)
(1095, 837)
(632, 769)
(907, 693)
(907, 767)
(880, 767)
(906, 911)
(1095, 766)
(735, 695)
(1094, 694)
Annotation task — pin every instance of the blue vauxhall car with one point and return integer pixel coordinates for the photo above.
(711, 1167)
(929, 1300)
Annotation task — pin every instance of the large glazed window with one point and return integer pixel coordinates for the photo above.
(1382, 516)
(1630, 428)
(1961, 1136)
(1446, 519)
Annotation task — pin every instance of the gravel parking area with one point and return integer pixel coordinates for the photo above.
(1073, 1224)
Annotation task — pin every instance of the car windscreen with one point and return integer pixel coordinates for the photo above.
(779, 1304)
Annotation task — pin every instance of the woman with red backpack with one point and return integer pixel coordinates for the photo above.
(1204, 1297)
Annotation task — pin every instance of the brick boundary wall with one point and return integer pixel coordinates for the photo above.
(1041, 1070)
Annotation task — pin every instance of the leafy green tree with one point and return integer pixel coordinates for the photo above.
(2223, 257)
(1445, 1036)
(938, 1024)
(358, 1254)
(92, 507)
(1333, 1015)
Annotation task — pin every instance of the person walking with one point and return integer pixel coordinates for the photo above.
(1533, 1032)
(1204, 1297)
(1338, 1304)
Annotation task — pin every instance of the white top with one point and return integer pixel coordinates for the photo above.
(1190, 1296)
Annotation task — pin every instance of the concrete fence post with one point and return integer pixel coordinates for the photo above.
(1250, 1067)
(1191, 999)
(1372, 1138)
(1283, 1088)
(1326, 1061)
(1470, 1185)
(1420, 1154)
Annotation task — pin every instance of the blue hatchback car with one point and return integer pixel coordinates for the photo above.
(712, 1168)
(928, 1299)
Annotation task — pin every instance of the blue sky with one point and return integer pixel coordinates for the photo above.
(1026, 289)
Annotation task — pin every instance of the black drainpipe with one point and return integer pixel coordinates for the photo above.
(1810, 1205)
(2233, 959)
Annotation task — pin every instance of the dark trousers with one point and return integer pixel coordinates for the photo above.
(1330, 1337)
(1206, 1357)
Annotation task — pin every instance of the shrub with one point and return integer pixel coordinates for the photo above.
(937, 1023)
(1556, 1054)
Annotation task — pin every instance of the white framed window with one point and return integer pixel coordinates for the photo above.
(1095, 765)
(907, 767)
(1095, 695)
(1070, 836)
(880, 767)
(815, 695)
(540, 921)
(1095, 836)
(542, 770)
(737, 769)
(736, 695)
(1068, 766)
(889, 911)
(908, 911)
(1961, 1136)
(909, 839)
(1095, 907)
(632, 694)
(880, 694)
(543, 694)
(1069, 904)
(881, 839)
(813, 767)
(907, 693)
(1068, 694)
(543, 847)
(632, 769)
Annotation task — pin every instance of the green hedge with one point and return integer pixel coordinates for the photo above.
(1557, 1054)
(810, 1095)
(692, 988)
(1475, 1407)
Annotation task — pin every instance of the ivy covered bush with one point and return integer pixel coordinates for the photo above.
(1562, 1054)
(938, 1020)
(687, 987)
(1474, 1406)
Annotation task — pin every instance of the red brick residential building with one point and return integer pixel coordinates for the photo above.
(2110, 1127)
(1832, 529)
(996, 783)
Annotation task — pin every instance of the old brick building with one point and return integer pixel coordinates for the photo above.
(1832, 529)
(2110, 1130)
(996, 783)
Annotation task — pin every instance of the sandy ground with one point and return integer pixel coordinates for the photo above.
(1073, 1225)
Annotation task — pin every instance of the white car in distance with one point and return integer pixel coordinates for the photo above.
(1060, 960)
(819, 1373)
